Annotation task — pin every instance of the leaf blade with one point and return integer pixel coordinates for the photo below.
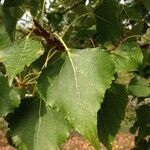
(139, 87)
(111, 114)
(16, 56)
(47, 129)
(127, 57)
(77, 88)
(10, 99)
(108, 22)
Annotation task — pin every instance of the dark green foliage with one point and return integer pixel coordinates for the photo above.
(10, 22)
(9, 99)
(110, 115)
(147, 4)
(15, 3)
(35, 6)
(108, 22)
(134, 12)
(12, 12)
(54, 18)
(142, 126)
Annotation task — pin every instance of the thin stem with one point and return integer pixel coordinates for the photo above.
(129, 37)
(17, 80)
(44, 66)
(83, 15)
(30, 74)
(74, 22)
(49, 55)
(60, 39)
(92, 42)
(30, 80)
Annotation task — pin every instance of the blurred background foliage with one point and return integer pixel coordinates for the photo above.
(83, 23)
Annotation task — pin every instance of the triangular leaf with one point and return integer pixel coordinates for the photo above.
(9, 97)
(127, 57)
(19, 54)
(36, 126)
(77, 86)
(111, 114)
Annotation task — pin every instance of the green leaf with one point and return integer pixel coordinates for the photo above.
(35, 126)
(134, 12)
(147, 4)
(145, 39)
(108, 21)
(77, 85)
(146, 55)
(4, 39)
(139, 87)
(10, 23)
(55, 18)
(127, 57)
(142, 124)
(18, 55)
(11, 12)
(16, 3)
(9, 97)
(35, 6)
(111, 114)
(83, 33)
(137, 29)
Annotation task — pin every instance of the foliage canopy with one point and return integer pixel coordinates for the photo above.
(60, 63)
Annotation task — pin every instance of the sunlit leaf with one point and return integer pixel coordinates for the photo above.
(18, 55)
